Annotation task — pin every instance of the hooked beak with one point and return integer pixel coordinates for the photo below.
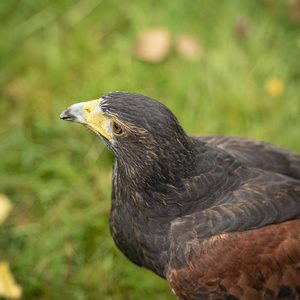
(74, 113)
(90, 115)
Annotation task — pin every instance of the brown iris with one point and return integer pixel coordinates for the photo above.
(117, 129)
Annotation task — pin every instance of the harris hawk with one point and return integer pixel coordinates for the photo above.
(217, 216)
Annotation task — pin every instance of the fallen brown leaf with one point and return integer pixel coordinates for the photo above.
(153, 45)
(294, 7)
(242, 28)
(189, 47)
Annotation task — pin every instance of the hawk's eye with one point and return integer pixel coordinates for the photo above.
(117, 129)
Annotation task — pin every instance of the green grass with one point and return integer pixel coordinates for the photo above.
(58, 174)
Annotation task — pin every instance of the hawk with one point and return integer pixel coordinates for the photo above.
(217, 216)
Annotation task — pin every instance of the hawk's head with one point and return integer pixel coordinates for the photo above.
(137, 129)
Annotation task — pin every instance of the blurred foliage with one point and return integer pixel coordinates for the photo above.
(54, 53)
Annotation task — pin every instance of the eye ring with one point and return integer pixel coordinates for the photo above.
(117, 128)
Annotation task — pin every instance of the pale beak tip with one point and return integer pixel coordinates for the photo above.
(74, 113)
(66, 116)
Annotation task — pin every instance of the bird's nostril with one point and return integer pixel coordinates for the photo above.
(89, 107)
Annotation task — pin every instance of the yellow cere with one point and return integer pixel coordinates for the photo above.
(96, 120)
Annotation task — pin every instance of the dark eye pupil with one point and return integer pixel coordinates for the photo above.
(117, 128)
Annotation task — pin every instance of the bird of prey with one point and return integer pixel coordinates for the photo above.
(217, 216)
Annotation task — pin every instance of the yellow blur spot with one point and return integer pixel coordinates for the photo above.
(5, 207)
(8, 286)
(274, 87)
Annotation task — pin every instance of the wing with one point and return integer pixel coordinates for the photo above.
(247, 244)
(257, 154)
(255, 264)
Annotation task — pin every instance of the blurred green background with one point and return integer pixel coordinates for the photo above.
(57, 174)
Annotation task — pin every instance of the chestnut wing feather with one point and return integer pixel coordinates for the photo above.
(255, 264)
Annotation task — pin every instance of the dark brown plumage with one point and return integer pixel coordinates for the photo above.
(218, 217)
